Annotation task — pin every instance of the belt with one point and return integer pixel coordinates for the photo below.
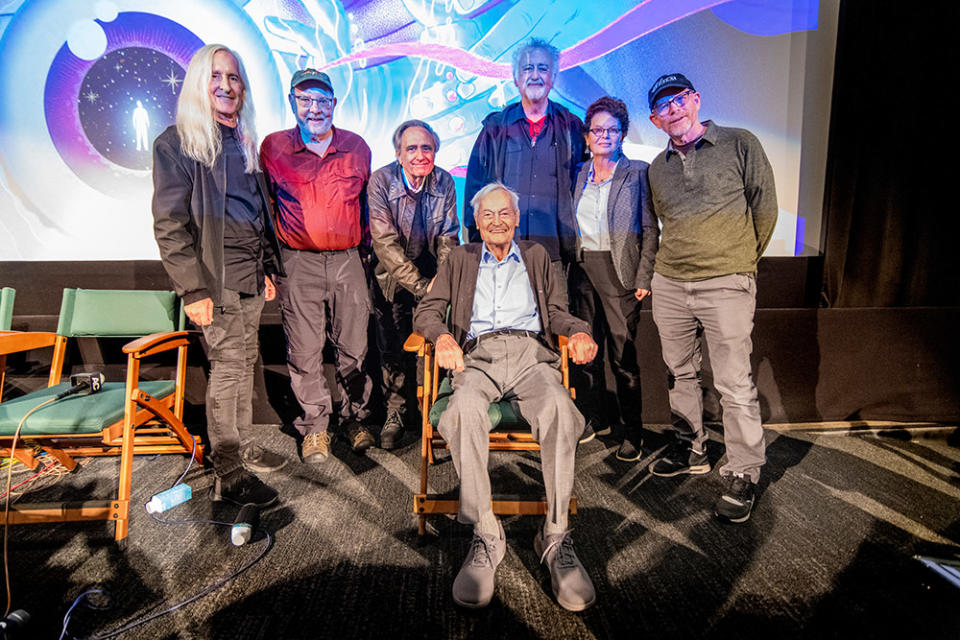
(472, 343)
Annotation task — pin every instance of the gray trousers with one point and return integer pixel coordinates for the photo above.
(724, 308)
(324, 296)
(523, 371)
(232, 348)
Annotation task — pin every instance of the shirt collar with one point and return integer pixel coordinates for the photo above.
(519, 115)
(709, 135)
(406, 183)
(398, 182)
(513, 254)
(298, 144)
(590, 173)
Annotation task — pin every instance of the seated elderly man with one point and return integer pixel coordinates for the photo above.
(506, 309)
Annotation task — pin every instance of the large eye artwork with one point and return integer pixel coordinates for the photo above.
(87, 87)
(103, 113)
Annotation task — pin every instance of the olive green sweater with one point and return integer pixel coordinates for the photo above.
(717, 205)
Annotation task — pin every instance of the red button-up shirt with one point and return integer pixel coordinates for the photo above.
(318, 200)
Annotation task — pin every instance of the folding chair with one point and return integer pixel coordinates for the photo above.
(7, 296)
(510, 433)
(125, 418)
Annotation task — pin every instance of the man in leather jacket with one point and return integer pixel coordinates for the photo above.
(414, 225)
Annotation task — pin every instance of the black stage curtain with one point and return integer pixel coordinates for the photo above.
(891, 193)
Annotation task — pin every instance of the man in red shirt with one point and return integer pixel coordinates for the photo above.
(318, 175)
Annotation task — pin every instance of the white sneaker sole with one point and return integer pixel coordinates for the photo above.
(695, 470)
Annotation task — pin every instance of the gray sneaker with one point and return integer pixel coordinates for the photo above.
(571, 585)
(473, 587)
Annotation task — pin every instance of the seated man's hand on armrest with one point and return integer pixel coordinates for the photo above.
(581, 347)
(450, 355)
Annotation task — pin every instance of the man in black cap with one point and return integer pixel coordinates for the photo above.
(318, 174)
(713, 193)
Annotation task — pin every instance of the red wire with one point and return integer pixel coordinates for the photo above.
(42, 471)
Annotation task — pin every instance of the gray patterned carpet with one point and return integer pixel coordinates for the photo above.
(828, 552)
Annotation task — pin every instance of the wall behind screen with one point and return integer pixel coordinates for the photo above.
(86, 86)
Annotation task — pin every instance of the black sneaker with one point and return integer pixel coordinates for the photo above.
(259, 460)
(591, 431)
(359, 437)
(392, 432)
(680, 458)
(630, 451)
(736, 501)
(242, 488)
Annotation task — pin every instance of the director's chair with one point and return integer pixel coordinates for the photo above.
(123, 418)
(510, 433)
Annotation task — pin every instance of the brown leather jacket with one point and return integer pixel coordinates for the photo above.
(391, 217)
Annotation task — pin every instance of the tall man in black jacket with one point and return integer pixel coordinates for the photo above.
(217, 244)
(533, 147)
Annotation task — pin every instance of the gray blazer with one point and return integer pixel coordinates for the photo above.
(634, 234)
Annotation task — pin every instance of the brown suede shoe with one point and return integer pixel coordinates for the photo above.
(359, 437)
(316, 447)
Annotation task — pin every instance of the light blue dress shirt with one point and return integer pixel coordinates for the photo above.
(592, 221)
(503, 298)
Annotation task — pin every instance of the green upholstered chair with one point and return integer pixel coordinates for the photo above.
(123, 418)
(6, 319)
(510, 433)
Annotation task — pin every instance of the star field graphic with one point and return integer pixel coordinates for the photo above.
(126, 99)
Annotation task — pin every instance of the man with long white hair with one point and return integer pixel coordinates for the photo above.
(217, 243)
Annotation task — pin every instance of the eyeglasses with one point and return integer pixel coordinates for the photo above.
(679, 101)
(307, 101)
(600, 132)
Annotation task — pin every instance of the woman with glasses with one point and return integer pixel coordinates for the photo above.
(610, 277)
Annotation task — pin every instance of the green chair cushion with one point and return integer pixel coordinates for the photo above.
(502, 414)
(7, 296)
(87, 414)
(118, 313)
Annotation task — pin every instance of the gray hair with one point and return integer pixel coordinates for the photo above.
(398, 134)
(490, 188)
(533, 44)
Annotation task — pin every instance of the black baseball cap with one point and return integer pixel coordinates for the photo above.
(668, 81)
(304, 75)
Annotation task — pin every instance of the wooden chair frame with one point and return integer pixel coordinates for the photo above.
(425, 504)
(149, 425)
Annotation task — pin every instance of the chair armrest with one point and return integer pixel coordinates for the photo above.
(156, 343)
(416, 343)
(565, 363)
(17, 341)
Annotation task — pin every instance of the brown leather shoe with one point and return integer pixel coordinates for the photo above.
(316, 447)
(359, 438)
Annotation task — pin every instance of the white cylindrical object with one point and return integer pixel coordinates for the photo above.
(240, 534)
